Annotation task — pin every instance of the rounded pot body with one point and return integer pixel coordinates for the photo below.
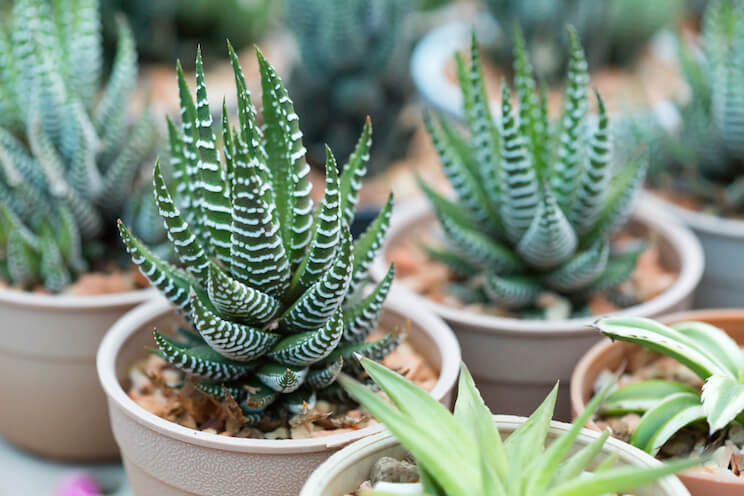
(516, 362)
(50, 401)
(722, 285)
(609, 355)
(346, 470)
(166, 459)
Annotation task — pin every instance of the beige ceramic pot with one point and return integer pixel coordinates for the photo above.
(608, 355)
(165, 459)
(722, 239)
(346, 470)
(50, 401)
(516, 362)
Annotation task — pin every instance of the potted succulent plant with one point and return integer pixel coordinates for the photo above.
(531, 241)
(613, 32)
(698, 175)
(70, 160)
(352, 61)
(684, 397)
(275, 290)
(464, 454)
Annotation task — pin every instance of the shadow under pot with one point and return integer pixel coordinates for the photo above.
(516, 362)
(167, 459)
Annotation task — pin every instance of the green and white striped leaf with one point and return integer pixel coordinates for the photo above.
(281, 378)
(723, 401)
(239, 302)
(232, 340)
(353, 172)
(201, 361)
(361, 319)
(324, 376)
(511, 291)
(307, 348)
(550, 240)
(311, 310)
(581, 270)
(367, 247)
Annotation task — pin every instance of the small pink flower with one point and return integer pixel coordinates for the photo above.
(78, 484)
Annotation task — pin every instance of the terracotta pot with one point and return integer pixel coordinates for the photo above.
(346, 470)
(609, 355)
(722, 239)
(50, 400)
(516, 362)
(165, 459)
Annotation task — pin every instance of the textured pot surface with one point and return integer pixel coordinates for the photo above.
(516, 362)
(609, 355)
(50, 401)
(722, 285)
(347, 469)
(163, 458)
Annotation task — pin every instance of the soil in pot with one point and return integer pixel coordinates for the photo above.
(165, 391)
(726, 445)
(423, 274)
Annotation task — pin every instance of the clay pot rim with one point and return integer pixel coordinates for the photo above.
(600, 349)
(679, 237)
(19, 298)
(131, 322)
(345, 458)
(700, 221)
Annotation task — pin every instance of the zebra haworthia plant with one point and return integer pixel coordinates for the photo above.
(274, 287)
(707, 158)
(535, 207)
(68, 156)
(464, 454)
(668, 406)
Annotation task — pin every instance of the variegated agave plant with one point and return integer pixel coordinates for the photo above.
(464, 455)
(668, 406)
(273, 287)
(68, 156)
(707, 158)
(535, 208)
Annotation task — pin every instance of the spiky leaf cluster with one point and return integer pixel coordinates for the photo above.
(613, 32)
(707, 157)
(274, 286)
(353, 65)
(669, 406)
(464, 454)
(535, 206)
(68, 154)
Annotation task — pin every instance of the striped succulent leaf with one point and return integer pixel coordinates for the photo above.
(266, 280)
(708, 352)
(532, 219)
(67, 143)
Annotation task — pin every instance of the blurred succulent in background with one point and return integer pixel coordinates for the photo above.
(166, 30)
(353, 65)
(613, 32)
(69, 157)
(463, 454)
(535, 207)
(274, 287)
(706, 157)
